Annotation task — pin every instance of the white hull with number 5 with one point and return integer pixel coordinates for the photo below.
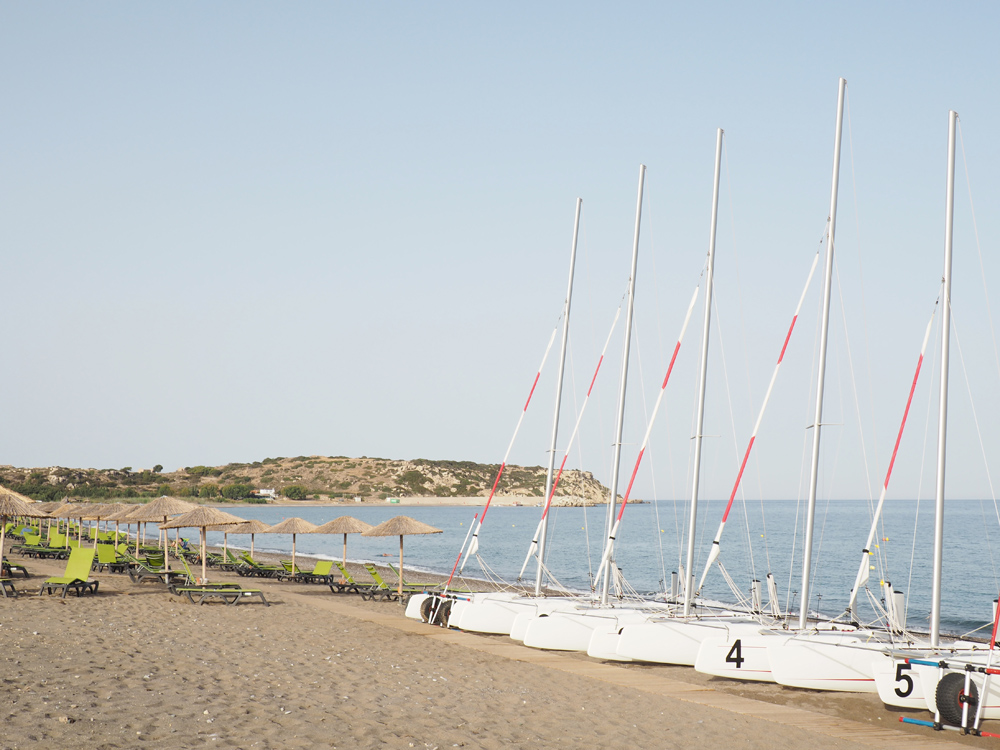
(899, 684)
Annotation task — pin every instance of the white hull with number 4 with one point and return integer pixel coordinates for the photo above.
(739, 655)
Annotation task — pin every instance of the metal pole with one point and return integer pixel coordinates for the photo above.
(824, 335)
(559, 388)
(943, 404)
(620, 423)
(700, 422)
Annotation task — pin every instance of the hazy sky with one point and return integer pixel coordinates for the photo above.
(240, 230)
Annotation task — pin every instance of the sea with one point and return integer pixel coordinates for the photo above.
(759, 538)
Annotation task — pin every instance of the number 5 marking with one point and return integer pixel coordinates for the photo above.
(904, 678)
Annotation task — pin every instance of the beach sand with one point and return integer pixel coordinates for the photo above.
(135, 667)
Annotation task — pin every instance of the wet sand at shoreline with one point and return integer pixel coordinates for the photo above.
(136, 667)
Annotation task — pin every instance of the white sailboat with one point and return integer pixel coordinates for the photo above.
(657, 632)
(494, 611)
(900, 682)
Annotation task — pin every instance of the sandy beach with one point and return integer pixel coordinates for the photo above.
(137, 667)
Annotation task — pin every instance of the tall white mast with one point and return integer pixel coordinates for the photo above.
(824, 335)
(620, 424)
(949, 220)
(559, 388)
(700, 421)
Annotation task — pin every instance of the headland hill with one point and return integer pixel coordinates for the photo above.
(317, 480)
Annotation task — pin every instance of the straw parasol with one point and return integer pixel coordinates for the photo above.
(251, 527)
(11, 505)
(401, 526)
(68, 511)
(344, 525)
(201, 518)
(292, 526)
(18, 495)
(121, 513)
(97, 512)
(158, 511)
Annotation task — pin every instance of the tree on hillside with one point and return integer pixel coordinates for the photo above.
(295, 492)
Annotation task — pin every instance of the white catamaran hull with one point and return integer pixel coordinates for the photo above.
(574, 630)
(667, 641)
(835, 662)
(735, 654)
(899, 684)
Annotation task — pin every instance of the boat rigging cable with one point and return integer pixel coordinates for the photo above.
(864, 568)
(470, 546)
(474, 544)
(716, 549)
(532, 549)
(982, 449)
(609, 545)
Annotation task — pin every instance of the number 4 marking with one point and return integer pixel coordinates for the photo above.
(735, 655)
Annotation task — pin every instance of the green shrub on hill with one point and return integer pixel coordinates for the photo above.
(295, 492)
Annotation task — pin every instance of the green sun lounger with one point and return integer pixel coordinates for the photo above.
(346, 584)
(289, 572)
(250, 567)
(321, 573)
(76, 575)
(189, 580)
(231, 594)
(107, 557)
(422, 585)
(140, 571)
(383, 590)
(7, 568)
(7, 588)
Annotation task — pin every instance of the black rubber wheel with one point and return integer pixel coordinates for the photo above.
(435, 610)
(425, 608)
(950, 698)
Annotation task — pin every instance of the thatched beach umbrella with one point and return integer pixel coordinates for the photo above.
(68, 511)
(12, 506)
(292, 526)
(344, 525)
(49, 507)
(251, 527)
(158, 511)
(97, 512)
(201, 518)
(121, 513)
(401, 526)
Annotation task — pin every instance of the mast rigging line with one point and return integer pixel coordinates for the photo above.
(572, 439)
(982, 446)
(474, 543)
(714, 553)
(609, 547)
(865, 566)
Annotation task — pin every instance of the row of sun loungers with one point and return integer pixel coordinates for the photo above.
(181, 580)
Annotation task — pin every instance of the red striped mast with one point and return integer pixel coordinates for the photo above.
(609, 546)
(864, 568)
(474, 544)
(533, 548)
(713, 554)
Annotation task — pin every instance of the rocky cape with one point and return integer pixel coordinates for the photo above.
(317, 478)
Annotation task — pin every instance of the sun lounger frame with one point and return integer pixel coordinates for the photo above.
(231, 594)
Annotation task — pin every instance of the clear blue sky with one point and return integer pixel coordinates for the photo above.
(240, 230)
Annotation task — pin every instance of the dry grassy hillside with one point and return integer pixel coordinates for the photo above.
(318, 477)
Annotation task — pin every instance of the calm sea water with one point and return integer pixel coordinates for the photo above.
(649, 548)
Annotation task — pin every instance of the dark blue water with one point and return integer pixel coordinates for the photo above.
(755, 542)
